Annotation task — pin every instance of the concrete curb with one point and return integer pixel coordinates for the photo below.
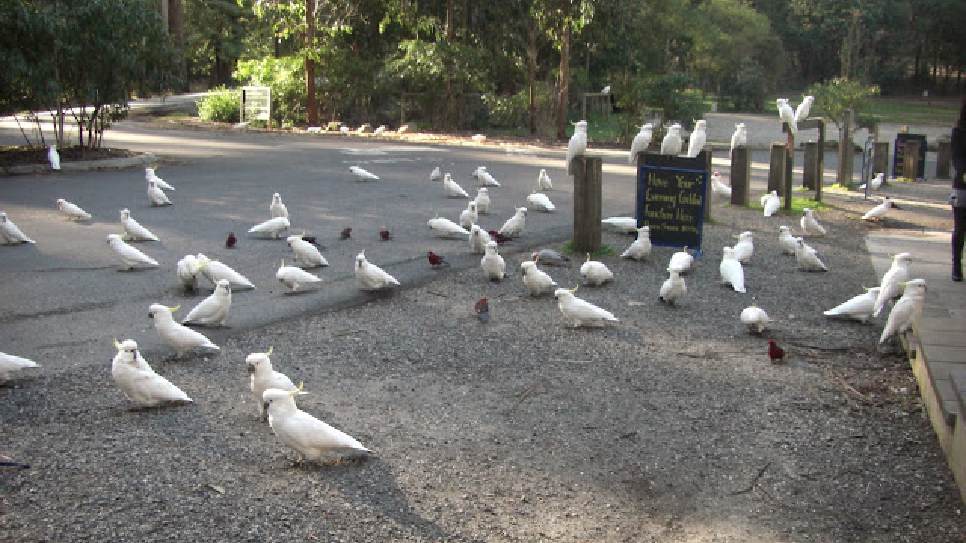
(82, 166)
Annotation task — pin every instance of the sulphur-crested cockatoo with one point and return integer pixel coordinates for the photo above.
(478, 240)
(272, 227)
(10, 233)
(188, 269)
(306, 254)
(537, 281)
(718, 187)
(641, 142)
(579, 312)
(577, 145)
(786, 240)
(595, 273)
(53, 157)
(907, 311)
(770, 203)
(786, 114)
(891, 284)
(641, 247)
(263, 377)
(745, 247)
(452, 188)
(879, 211)
(698, 138)
(739, 136)
(436, 174)
(755, 319)
(731, 271)
(876, 182)
(807, 257)
(311, 439)
(681, 261)
(277, 208)
(493, 265)
(513, 226)
(624, 225)
(485, 178)
(161, 183)
(469, 216)
(605, 90)
(803, 109)
(213, 310)
(671, 144)
(362, 174)
(129, 256)
(543, 180)
(403, 129)
(810, 225)
(10, 364)
(156, 196)
(372, 277)
(539, 201)
(72, 211)
(295, 278)
(179, 337)
(133, 231)
(213, 270)
(673, 288)
(858, 307)
(445, 228)
(379, 130)
(482, 201)
(138, 381)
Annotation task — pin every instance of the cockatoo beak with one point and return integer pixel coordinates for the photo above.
(298, 391)
(175, 308)
(117, 345)
(270, 349)
(574, 290)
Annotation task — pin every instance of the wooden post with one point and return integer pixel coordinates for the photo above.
(880, 158)
(587, 203)
(787, 180)
(708, 152)
(740, 175)
(776, 168)
(846, 153)
(910, 160)
(942, 158)
(810, 171)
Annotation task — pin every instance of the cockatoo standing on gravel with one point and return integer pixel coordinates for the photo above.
(179, 337)
(732, 273)
(263, 377)
(138, 381)
(310, 438)
(129, 256)
(641, 247)
(10, 364)
(372, 277)
(579, 312)
(213, 310)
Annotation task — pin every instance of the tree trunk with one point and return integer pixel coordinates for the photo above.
(564, 84)
(176, 32)
(532, 76)
(312, 106)
(451, 116)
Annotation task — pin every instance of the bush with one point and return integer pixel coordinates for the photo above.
(220, 106)
(508, 111)
(670, 93)
(747, 87)
(286, 78)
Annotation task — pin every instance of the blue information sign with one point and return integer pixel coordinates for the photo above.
(671, 202)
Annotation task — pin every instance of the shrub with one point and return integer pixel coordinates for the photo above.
(507, 111)
(220, 106)
(286, 78)
(671, 93)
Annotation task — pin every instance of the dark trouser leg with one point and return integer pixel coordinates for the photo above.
(959, 236)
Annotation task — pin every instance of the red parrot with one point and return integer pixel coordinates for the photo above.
(775, 353)
(384, 234)
(482, 310)
(499, 238)
(231, 240)
(435, 260)
(346, 233)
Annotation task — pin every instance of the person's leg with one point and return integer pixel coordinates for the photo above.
(959, 236)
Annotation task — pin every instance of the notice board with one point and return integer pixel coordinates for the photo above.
(900, 143)
(671, 200)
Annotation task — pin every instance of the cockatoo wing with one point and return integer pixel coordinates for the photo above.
(211, 310)
(540, 201)
(135, 231)
(312, 437)
(858, 307)
(216, 270)
(130, 255)
(583, 311)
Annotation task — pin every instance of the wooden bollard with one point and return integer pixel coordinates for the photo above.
(910, 160)
(587, 203)
(846, 152)
(707, 152)
(740, 175)
(943, 156)
(880, 158)
(776, 168)
(810, 171)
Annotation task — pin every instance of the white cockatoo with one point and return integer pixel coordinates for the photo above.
(731, 271)
(579, 312)
(277, 208)
(10, 233)
(543, 180)
(379, 130)
(133, 231)
(803, 109)
(786, 114)
(671, 144)
(478, 240)
(188, 269)
(891, 285)
(770, 203)
(478, 138)
(681, 261)
(362, 174)
(699, 136)
(807, 257)
(858, 307)
(876, 182)
(262, 376)
(213, 310)
(623, 225)
(138, 381)
(11, 364)
(718, 187)
(129, 256)
(345, 130)
(311, 439)
(786, 240)
(161, 183)
(469, 216)
(641, 247)
(445, 228)
(577, 146)
(178, 336)
(306, 254)
(739, 136)
(485, 178)
(810, 225)
(513, 226)
(363, 128)
(879, 211)
(403, 129)
(907, 311)
(156, 196)
(595, 273)
(755, 319)
(53, 157)
(72, 211)
(539, 201)
(294, 277)
(537, 281)
(372, 277)
(452, 188)
(436, 174)
(673, 288)
(272, 227)
(493, 265)
(605, 90)
(213, 270)
(745, 247)
(482, 201)
(641, 142)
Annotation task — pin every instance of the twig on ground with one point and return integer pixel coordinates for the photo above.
(754, 482)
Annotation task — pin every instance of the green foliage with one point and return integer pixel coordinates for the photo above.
(747, 87)
(286, 79)
(836, 96)
(507, 111)
(605, 250)
(221, 105)
(671, 93)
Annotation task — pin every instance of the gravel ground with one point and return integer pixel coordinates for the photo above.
(671, 426)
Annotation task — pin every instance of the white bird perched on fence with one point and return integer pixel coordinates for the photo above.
(362, 174)
(907, 310)
(469, 216)
(179, 337)
(53, 157)
(698, 138)
(445, 228)
(671, 144)
(641, 142)
(641, 247)
(879, 211)
(539, 201)
(858, 307)
(485, 178)
(595, 273)
(262, 376)
(213, 310)
(577, 145)
(306, 254)
(739, 136)
(537, 281)
(309, 437)
(72, 211)
(372, 277)
(755, 319)
(745, 247)
(786, 114)
(493, 265)
(876, 182)
(363, 128)
(482, 201)
(294, 277)
(624, 225)
(718, 187)
(403, 129)
(133, 231)
(807, 257)
(731, 271)
(681, 261)
(130, 256)
(810, 225)
(605, 90)
(579, 312)
(10, 233)
(892, 281)
(138, 381)
(345, 130)
(213, 270)
(787, 241)
(187, 270)
(803, 109)
(478, 138)
(513, 226)
(161, 183)
(271, 227)
(436, 174)
(452, 188)
(673, 288)
(770, 203)
(10, 364)
(543, 180)
(277, 208)
(156, 196)
(379, 129)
